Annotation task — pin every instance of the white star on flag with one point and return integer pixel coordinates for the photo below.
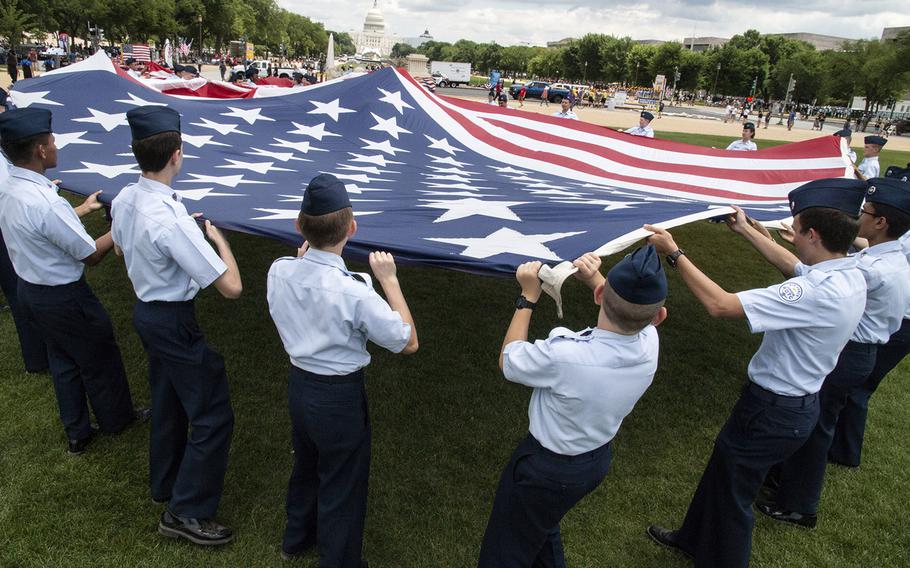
(318, 132)
(110, 172)
(200, 140)
(365, 169)
(377, 159)
(384, 146)
(250, 116)
(455, 193)
(302, 147)
(332, 109)
(107, 121)
(227, 181)
(443, 145)
(508, 170)
(461, 208)
(394, 99)
(609, 205)
(354, 188)
(220, 128)
(555, 192)
(284, 214)
(454, 186)
(258, 167)
(389, 126)
(361, 178)
(457, 179)
(456, 171)
(507, 241)
(23, 100)
(202, 192)
(280, 156)
(447, 160)
(136, 101)
(63, 139)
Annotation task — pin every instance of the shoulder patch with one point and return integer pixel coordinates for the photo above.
(790, 292)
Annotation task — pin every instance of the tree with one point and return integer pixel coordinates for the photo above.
(882, 73)
(344, 44)
(14, 22)
(638, 63)
(614, 60)
(547, 64)
(400, 50)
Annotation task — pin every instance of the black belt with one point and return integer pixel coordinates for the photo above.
(586, 456)
(775, 399)
(167, 304)
(355, 377)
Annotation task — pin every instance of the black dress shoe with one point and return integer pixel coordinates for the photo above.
(804, 520)
(141, 415)
(665, 537)
(205, 532)
(162, 501)
(77, 447)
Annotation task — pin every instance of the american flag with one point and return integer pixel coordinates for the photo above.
(434, 180)
(138, 51)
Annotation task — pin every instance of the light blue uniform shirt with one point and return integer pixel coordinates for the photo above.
(647, 131)
(888, 282)
(807, 320)
(325, 315)
(870, 167)
(44, 236)
(584, 383)
(167, 256)
(747, 146)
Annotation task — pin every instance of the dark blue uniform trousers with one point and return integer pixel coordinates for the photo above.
(34, 351)
(536, 490)
(189, 388)
(763, 429)
(802, 475)
(847, 446)
(327, 492)
(83, 356)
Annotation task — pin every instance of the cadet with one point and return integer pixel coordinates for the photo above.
(806, 321)
(168, 262)
(566, 111)
(797, 483)
(585, 383)
(745, 143)
(327, 492)
(888, 204)
(643, 129)
(869, 167)
(49, 248)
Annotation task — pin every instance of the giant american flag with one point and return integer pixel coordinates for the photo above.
(434, 180)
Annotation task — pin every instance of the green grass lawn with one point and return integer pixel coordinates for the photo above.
(445, 422)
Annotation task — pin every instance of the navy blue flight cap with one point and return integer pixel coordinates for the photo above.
(835, 193)
(325, 194)
(22, 123)
(749, 126)
(503, 97)
(876, 140)
(149, 120)
(130, 61)
(844, 133)
(889, 191)
(646, 114)
(639, 278)
(178, 68)
(190, 69)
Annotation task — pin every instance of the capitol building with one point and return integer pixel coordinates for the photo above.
(374, 39)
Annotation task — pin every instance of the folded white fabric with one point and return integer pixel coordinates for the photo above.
(552, 279)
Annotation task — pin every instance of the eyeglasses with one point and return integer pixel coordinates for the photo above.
(870, 213)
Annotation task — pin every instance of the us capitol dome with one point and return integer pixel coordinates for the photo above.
(373, 38)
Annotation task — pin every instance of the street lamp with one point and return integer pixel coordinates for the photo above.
(714, 90)
(585, 78)
(637, 63)
(199, 20)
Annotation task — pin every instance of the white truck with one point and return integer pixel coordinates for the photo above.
(450, 73)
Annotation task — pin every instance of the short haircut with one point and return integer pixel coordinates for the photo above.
(898, 221)
(327, 230)
(154, 152)
(21, 151)
(628, 317)
(836, 228)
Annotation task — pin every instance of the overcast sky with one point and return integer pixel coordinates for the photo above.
(536, 22)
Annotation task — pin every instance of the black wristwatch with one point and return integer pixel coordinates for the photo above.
(523, 303)
(673, 257)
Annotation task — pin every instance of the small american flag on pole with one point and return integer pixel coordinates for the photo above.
(139, 52)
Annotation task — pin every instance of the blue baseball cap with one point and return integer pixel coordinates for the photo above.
(889, 191)
(149, 120)
(835, 193)
(639, 278)
(22, 123)
(324, 194)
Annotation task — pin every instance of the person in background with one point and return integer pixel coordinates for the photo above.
(746, 142)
